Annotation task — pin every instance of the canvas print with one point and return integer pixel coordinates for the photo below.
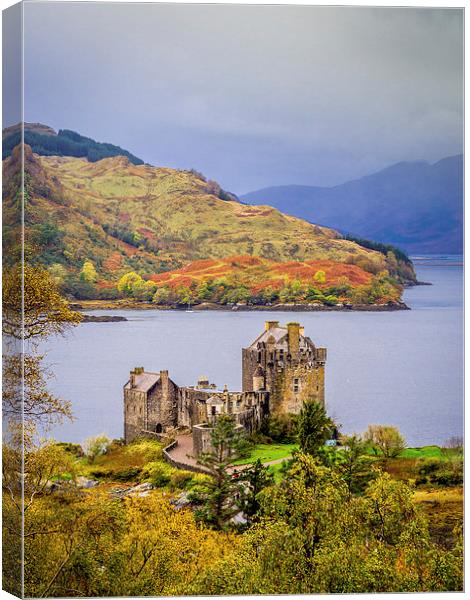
(232, 299)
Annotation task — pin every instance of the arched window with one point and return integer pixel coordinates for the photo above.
(158, 428)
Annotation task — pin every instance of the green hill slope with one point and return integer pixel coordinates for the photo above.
(122, 217)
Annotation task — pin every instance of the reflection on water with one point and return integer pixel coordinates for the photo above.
(402, 368)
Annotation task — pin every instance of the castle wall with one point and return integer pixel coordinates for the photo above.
(192, 407)
(162, 405)
(249, 364)
(296, 384)
(201, 439)
(134, 413)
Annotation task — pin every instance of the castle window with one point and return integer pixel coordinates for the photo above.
(296, 385)
(213, 410)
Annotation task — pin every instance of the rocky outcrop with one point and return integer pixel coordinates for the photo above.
(102, 319)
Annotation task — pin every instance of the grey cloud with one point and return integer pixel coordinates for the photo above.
(251, 95)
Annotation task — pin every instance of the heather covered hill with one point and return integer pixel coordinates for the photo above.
(415, 205)
(260, 281)
(91, 222)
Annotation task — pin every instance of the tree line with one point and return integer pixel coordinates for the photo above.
(66, 143)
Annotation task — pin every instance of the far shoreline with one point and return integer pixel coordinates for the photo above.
(86, 306)
(128, 304)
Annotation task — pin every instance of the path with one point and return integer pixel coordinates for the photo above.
(183, 451)
(183, 454)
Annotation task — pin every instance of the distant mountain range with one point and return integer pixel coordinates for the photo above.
(415, 205)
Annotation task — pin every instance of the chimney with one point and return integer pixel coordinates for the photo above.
(293, 333)
(302, 330)
(164, 381)
(270, 325)
(132, 379)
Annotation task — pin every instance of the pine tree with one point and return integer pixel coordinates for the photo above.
(314, 427)
(254, 478)
(219, 498)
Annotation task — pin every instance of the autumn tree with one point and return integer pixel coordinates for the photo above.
(96, 446)
(26, 400)
(385, 440)
(127, 282)
(88, 272)
(39, 311)
(161, 295)
(144, 290)
(36, 405)
(58, 273)
(184, 294)
(314, 537)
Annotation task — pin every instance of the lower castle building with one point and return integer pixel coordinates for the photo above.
(281, 369)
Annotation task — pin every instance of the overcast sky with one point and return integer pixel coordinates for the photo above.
(251, 96)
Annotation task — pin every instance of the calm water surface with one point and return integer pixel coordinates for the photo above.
(402, 368)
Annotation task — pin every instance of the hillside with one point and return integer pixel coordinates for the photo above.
(45, 141)
(415, 205)
(119, 217)
(260, 281)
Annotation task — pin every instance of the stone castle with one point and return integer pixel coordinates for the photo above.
(281, 369)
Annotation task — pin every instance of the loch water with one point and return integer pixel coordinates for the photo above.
(402, 368)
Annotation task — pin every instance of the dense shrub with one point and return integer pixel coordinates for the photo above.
(74, 449)
(100, 472)
(128, 474)
(157, 473)
(179, 480)
(280, 428)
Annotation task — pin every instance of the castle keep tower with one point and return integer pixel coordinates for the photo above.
(285, 363)
(281, 370)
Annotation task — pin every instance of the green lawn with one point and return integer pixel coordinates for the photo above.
(424, 452)
(430, 452)
(267, 453)
(270, 452)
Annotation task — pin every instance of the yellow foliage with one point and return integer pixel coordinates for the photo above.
(88, 272)
(34, 292)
